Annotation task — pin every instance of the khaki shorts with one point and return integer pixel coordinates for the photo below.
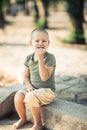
(38, 97)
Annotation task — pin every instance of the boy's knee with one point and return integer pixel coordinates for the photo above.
(31, 99)
(18, 97)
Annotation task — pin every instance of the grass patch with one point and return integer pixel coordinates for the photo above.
(40, 24)
(8, 22)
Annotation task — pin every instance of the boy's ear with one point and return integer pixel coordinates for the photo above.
(48, 42)
(30, 42)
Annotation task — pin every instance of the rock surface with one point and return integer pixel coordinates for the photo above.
(7, 99)
(60, 115)
(72, 88)
(63, 115)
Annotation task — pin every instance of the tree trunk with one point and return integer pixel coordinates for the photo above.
(41, 11)
(2, 20)
(46, 6)
(75, 11)
(81, 6)
(37, 11)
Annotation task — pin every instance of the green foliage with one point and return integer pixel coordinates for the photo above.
(66, 41)
(40, 24)
(4, 2)
(8, 22)
(73, 38)
(20, 1)
(47, 3)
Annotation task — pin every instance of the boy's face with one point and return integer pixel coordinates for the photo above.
(40, 41)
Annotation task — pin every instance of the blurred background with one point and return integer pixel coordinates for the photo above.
(66, 23)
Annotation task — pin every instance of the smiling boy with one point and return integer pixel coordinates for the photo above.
(39, 76)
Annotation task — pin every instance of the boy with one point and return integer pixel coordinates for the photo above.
(39, 78)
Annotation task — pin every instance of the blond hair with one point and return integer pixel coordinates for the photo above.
(39, 30)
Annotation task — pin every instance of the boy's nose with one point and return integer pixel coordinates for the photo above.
(40, 43)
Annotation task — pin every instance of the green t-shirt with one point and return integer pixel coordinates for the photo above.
(35, 79)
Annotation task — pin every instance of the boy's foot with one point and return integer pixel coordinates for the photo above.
(37, 127)
(18, 124)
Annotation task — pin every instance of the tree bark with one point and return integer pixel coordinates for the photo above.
(42, 7)
(41, 11)
(75, 11)
(46, 6)
(37, 11)
(2, 20)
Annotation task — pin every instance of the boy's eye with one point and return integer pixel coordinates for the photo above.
(44, 41)
(37, 40)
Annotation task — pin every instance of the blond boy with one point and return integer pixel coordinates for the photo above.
(39, 76)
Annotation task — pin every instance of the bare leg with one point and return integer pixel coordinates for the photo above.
(37, 118)
(20, 108)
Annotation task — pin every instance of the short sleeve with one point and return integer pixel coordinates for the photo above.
(27, 60)
(50, 60)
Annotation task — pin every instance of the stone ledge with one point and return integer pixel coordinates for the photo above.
(72, 88)
(63, 115)
(7, 99)
(60, 115)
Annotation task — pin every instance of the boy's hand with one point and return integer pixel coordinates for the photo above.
(31, 89)
(40, 53)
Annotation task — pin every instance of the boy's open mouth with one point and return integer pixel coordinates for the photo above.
(40, 47)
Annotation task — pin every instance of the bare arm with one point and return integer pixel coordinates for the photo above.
(26, 79)
(44, 71)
